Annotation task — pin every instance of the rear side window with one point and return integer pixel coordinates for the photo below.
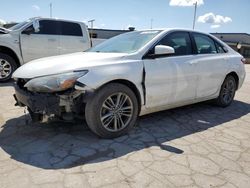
(219, 48)
(71, 29)
(204, 44)
(180, 41)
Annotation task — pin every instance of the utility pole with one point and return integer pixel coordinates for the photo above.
(151, 23)
(91, 23)
(50, 6)
(91, 29)
(195, 10)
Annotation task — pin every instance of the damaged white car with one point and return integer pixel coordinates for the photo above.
(130, 75)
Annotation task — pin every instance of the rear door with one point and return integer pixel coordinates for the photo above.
(72, 38)
(41, 44)
(211, 64)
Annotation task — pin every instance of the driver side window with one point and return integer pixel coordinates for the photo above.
(47, 27)
(180, 41)
(29, 30)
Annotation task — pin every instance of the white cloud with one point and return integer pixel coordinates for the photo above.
(185, 3)
(2, 22)
(35, 7)
(212, 18)
(215, 26)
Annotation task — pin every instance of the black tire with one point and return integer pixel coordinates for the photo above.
(95, 111)
(227, 93)
(35, 117)
(6, 59)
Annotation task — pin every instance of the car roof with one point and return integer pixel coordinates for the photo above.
(57, 19)
(175, 29)
(166, 30)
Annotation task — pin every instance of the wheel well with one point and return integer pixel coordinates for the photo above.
(236, 77)
(11, 53)
(131, 86)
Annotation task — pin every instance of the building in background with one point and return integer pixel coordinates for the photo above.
(99, 35)
(107, 33)
(238, 41)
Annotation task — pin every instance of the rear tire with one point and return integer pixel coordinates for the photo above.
(112, 111)
(7, 67)
(227, 92)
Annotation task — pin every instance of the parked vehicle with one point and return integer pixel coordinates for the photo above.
(37, 38)
(128, 76)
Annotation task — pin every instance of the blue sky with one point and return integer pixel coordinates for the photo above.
(212, 15)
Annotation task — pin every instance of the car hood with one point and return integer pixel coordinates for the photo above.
(4, 30)
(66, 63)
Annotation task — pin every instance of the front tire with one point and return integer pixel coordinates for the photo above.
(35, 117)
(7, 67)
(112, 111)
(227, 92)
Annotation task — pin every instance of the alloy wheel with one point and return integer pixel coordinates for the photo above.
(116, 112)
(5, 68)
(228, 91)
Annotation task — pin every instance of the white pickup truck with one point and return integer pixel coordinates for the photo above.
(37, 38)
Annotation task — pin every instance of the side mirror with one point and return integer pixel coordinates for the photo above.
(163, 50)
(36, 25)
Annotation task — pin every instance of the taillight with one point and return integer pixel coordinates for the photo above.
(243, 60)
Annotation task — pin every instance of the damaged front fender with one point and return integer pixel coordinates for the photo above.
(36, 102)
(48, 104)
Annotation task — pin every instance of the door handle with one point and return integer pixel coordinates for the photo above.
(193, 62)
(16, 41)
(52, 40)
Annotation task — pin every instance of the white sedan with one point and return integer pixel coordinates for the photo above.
(130, 75)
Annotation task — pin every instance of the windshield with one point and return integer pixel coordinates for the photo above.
(18, 26)
(126, 43)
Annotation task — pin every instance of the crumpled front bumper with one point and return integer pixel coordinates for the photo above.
(36, 102)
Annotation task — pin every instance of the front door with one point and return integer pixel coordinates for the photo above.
(171, 79)
(41, 44)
